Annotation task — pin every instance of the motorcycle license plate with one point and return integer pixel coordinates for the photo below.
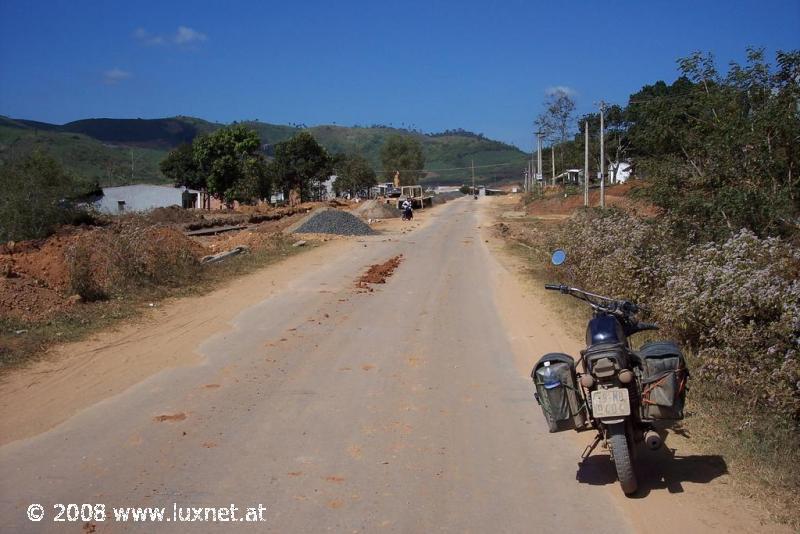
(612, 402)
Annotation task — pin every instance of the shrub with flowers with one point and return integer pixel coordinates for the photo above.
(735, 303)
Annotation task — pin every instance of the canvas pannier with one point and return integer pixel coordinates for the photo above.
(663, 381)
(557, 392)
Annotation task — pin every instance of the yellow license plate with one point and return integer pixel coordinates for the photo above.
(612, 402)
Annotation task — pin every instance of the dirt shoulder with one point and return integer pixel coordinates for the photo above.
(679, 483)
(76, 375)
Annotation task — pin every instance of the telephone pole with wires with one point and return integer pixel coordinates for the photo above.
(539, 171)
(586, 164)
(602, 104)
(472, 164)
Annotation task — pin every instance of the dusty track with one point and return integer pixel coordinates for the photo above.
(407, 408)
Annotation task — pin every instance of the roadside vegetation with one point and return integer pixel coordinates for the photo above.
(38, 195)
(110, 274)
(715, 255)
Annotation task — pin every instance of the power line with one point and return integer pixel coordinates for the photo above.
(458, 168)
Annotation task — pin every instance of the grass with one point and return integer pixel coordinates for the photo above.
(18, 350)
(86, 157)
(761, 450)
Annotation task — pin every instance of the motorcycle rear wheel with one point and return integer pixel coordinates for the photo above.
(621, 453)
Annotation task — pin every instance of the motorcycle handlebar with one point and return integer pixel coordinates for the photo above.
(599, 302)
(646, 326)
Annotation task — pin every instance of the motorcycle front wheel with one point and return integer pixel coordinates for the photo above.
(621, 454)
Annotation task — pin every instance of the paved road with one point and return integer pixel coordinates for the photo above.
(397, 410)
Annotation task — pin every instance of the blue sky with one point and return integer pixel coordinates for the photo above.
(483, 66)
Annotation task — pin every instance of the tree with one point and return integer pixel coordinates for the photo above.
(37, 196)
(403, 154)
(299, 163)
(255, 182)
(180, 167)
(556, 119)
(722, 151)
(230, 162)
(353, 174)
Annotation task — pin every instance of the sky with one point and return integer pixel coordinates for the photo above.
(432, 65)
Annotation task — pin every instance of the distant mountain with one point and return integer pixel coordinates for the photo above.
(116, 151)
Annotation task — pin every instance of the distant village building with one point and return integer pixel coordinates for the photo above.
(623, 172)
(142, 197)
(570, 176)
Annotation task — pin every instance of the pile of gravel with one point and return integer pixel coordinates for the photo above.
(334, 222)
(375, 209)
(441, 198)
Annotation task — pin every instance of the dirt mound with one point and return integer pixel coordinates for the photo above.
(332, 221)
(24, 299)
(442, 198)
(376, 209)
(35, 276)
(42, 260)
(616, 195)
(378, 273)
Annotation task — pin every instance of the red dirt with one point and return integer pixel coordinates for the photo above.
(171, 418)
(35, 275)
(378, 273)
(616, 195)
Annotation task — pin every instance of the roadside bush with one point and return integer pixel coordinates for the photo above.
(616, 253)
(36, 197)
(130, 256)
(82, 279)
(735, 303)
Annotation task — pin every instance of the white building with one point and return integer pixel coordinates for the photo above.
(141, 197)
(623, 172)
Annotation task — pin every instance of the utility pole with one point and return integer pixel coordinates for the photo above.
(472, 164)
(602, 157)
(131, 165)
(553, 157)
(586, 165)
(528, 175)
(540, 172)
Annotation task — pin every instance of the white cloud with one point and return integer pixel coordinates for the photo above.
(184, 36)
(115, 75)
(555, 89)
(187, 36)
(145, 37)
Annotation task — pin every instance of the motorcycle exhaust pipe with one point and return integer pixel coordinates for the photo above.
(653, 440)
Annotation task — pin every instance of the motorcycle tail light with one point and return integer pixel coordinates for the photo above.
(587, 380)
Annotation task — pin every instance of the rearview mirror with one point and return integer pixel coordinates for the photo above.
(558, 257)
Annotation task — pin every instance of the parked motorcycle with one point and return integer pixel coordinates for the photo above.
(627, 396)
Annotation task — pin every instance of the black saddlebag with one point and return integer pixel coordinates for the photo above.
(557, 392)
(663, 381)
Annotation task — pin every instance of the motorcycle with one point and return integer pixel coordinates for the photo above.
(627, 396)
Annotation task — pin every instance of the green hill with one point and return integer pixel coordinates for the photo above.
(102, 149)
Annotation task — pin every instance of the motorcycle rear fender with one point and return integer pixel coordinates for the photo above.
(612, 421)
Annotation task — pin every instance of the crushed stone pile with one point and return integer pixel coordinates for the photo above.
(442, 198)
(333, 221)
(376, 209)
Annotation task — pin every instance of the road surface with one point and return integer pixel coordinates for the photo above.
(404, 409)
